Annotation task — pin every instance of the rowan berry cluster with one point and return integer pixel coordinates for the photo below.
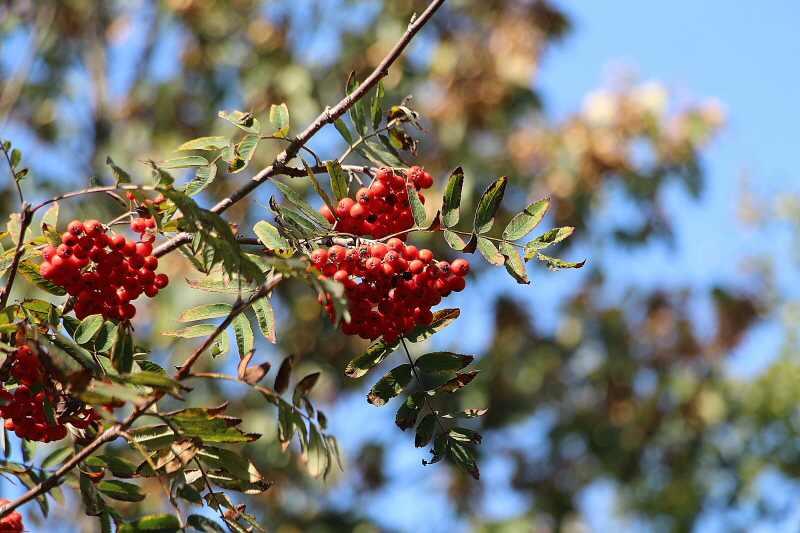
(24, 408)
(382, 208)
(391, 287)
(12, 522)
(104, 273)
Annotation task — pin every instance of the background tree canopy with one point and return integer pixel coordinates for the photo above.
(610, 399)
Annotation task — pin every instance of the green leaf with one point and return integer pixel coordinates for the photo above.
(408, 412)
(453, 240)
(198, 330)
(317, 461)
(554, 263)
(236, 286)
(454, 384)
(105, 336)
(553, 236)
(279, 119)
(464, 435)
(205, 143)
(339, 183)
(425, 430)
(153, 380)
(184, 162)
(153, 438)
(88, 327)
(205, 312)
(286, 424)
(464, 459)
(442, 362)
(57, 457)
(269, 236)
(156, 523)
(202, 179)
(190, 495)
(50, 216)
(302, 205)
(243, 334)
(317, 187)
(513, 262)
(371, 357)
(122, 350)
(15, 227)
(390, 385)
(244, 121)
(441, 319)
(28, 448)
(378, 154)
(120, 490)
(201, 523)
(440, 444)
(16, 157)
(210, 229)
(376, 113)
(451, 203)
(489, 251)
(265, 318)
(357, 114)
(53, 237)
(524, 222)
(30, 271)
(341, 127)
(120, 176)
(246, 148)
(488, 205)
(417, 209)
(116, 465)
(297, 222)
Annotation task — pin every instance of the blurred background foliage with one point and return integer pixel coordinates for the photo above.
(589, 384)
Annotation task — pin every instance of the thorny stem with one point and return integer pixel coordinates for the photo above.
(278, 166)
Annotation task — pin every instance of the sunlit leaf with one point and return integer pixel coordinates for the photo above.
(513, 262)
(371, 357)
(157, 523)
(390, 385)
(488, 205)
(205, 143)
(244, 121)
(338, 179)
(452, 199)
(441, 319)
(525, 221)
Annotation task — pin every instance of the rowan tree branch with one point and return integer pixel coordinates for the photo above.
(279, 165)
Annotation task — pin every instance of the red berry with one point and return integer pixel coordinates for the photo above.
(326, 212)
(319, 256)
(93, 228)
(75, 227)
(161, 281)
(336, 253)
(138, 225)
(460, 267)
(116, 242)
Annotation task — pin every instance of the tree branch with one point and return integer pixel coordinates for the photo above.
(278, 166)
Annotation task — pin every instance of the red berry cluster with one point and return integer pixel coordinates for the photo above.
(23, 409)
(391, 287)
(104, 273)
(382, 208)
(12, 522)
